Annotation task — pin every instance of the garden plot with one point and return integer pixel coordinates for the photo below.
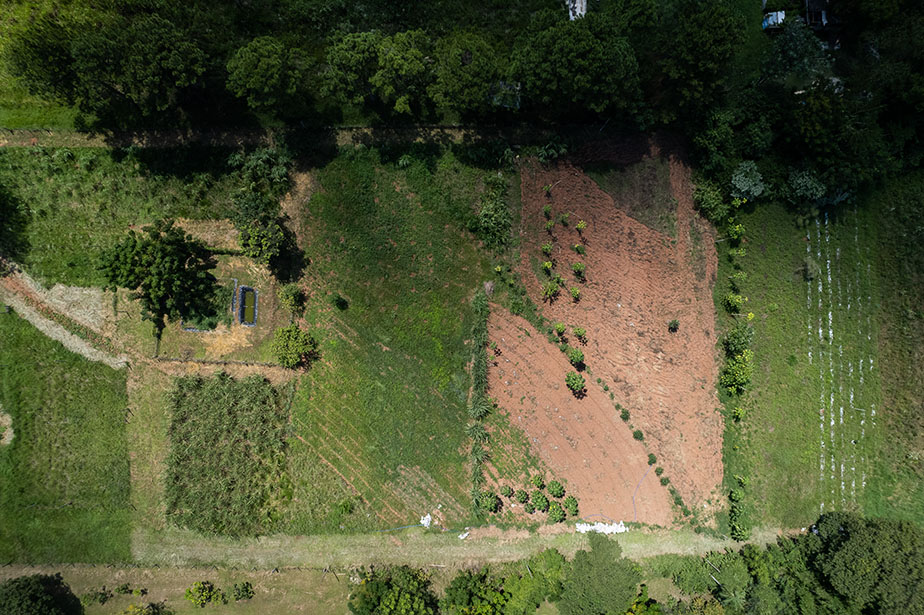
(841, 331)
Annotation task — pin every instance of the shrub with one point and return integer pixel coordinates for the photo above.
(494, 218)
(489, 502)
(575, 293)
(579, 269)
(96, 596)
(559, 328)
(638, 435)
(480, 407)
(151, 608)
(737, 279)
(579, 249)
(735, 232)
(738, 339)
(292, 347)
(737, 372)
(539, 500)
(547, 267)
(477, 432)
(739, 522)
(624, 413)
(263, 170)
(571, 505)
(262, 242)
(736, 494)
(529, 508)
(738, 414)
(549, 290)
(537, 482)
(673, 326)
(581, 225)
(203, 593)
(292, 299)
(547, 248)
(733, 302)
(652, 459)
(547, 210)
(665, 480)
(549, 226)
(576, 356)
(580, 333)
(557, 279)
(242, 591)
(747, 182)
(556, 513)
(659, 471)
(575, 382)
(563, 218)
(506, 491)
(708, 200)
(522, 496)
(124, 589)
(556, 490)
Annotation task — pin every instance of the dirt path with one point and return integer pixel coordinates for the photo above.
(637, 281)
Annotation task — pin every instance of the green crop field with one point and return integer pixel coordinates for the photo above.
(815, 435)
(79, 201)
(393, 274)
(64, 479)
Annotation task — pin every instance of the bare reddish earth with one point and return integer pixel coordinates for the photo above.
(637, 281)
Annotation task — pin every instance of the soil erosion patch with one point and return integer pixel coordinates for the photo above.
(637, 281)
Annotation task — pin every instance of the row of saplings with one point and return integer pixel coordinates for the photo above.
(534, 502)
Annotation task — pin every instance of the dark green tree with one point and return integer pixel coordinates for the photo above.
(167, 270)
(268, 73)
(471, 593)
(38, 53)
(405, 71)
(466, 71)
(567, 66)
(38, 594)
(600, 581)
(351, 61)
(394, 591)
(294, 347)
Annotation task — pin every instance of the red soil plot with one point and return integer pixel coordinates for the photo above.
(638, 280)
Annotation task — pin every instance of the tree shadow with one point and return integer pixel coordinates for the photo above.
(289, 264)
(14, 222)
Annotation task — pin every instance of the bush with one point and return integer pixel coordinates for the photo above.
(529, 508)
(151, 608)
(563, 218)
(547, 210)
(747, 182)
(556, 490)
(665, 480)
(580, 333)
(579, 249)
(489, 502)
(522, 496)
(738, 339)
(575, 293)
(673, 326)
(494, 218)
(571, 505)
(292, 347)
(506, 491)
(576, 356)
(575, 382)
(539, 500)
(203, 593)
(263, 242)
(265, 169)
(549, 226)
(581, 225)
(739, 522)
(292, 299)
(560, 328)
(652, 459)
(638, 435)
(737, 279)
(242, 591)
(733, 302)
(579, 269)
(737, 372)
(96, 596)
(124, 589)
(537, 482)
(659, 471)
(549, 290)
(547, 267)
(708, 200)
(547, 249)
(556, 513)
(623, 413)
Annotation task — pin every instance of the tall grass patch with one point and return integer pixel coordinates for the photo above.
(396, 272)
(82, 200)
(642, 190)
(226, 470)
(64, 479)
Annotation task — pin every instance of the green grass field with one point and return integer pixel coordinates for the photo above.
(385, 406)
(79, 201)
(64, 479)
(815, 437)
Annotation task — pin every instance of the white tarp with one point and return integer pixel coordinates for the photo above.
(601, 528)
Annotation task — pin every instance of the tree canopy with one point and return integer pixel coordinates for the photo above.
(267, 73)
(600, 581)
(38, 594)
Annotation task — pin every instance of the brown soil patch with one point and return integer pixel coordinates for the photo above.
(581, 440)
(637, 281)
(6, 428)
(224, 340)
(295, 205)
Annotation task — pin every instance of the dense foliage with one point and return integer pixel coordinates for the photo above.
(38, 594)
(226, 471)
(399, 590)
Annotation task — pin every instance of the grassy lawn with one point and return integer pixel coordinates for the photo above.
(815, 435)
(79, 201)
(385, 406)
(642, 190)
(64, 480)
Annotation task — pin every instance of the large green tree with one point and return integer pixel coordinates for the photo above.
(38, 594)
(405, 71)
(474, 593)
(466, 71)
(397, 590)
(267, 72)
(584, 64)
(167, 270)
(601, 581)
(351, 60)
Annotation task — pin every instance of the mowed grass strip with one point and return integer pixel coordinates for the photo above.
(80, 201)
(64, 480)
(226, 466)
(391, 387)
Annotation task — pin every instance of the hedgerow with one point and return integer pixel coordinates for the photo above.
(226, 471)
